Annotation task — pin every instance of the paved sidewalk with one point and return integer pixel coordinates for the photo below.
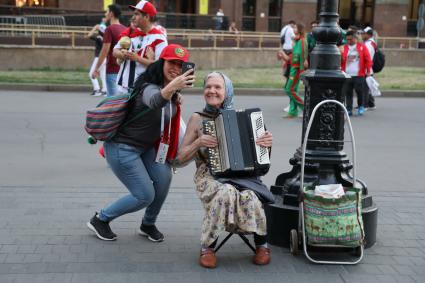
(43, 238)
(51, 182)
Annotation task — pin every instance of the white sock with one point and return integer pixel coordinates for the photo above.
(204, 248)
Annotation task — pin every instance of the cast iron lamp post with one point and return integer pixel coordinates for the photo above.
(326, 162)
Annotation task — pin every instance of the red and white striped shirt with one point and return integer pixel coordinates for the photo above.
(140, 41)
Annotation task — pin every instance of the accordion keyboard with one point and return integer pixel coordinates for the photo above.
(213, 152)
(258, 130)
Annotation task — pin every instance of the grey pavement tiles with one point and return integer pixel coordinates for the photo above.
(51, 182)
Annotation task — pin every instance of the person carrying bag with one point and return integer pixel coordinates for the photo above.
(140, 152)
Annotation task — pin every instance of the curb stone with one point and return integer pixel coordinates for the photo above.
(196, 90)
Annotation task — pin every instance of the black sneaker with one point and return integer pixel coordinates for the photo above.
(101, 228)
(151, 232)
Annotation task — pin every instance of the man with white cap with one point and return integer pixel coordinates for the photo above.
(147, 43)
(371, 46)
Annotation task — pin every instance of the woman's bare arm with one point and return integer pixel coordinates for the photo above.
(190, 143)
(194, 140)
(93, 31)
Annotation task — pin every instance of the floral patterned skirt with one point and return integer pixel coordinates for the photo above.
(226, 208)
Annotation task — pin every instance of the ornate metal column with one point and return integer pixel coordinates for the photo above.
(326, 162)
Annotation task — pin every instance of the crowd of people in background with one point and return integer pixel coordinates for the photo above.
(147, 38)
(358, 48)
(117, 64)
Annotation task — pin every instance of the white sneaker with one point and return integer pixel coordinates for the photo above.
(98, 93)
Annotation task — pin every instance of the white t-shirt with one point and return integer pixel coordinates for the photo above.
(353, 61)
(130, 70)
(288, 31)
(219, 16)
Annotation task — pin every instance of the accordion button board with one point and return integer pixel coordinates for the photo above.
(214, 161)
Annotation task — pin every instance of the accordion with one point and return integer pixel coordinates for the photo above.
(237, 154)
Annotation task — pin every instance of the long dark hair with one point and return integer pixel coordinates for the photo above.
(301, 29)
(154, 74)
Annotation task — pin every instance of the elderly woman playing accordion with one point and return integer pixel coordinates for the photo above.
(226, 207)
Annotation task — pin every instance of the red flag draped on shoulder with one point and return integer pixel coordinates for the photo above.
(173, 139)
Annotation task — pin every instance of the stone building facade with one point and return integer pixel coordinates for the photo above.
(388, 17)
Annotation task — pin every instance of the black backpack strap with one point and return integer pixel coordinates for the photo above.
(136, 117)
(134, 93)
(207, 115)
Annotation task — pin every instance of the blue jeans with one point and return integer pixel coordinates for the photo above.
(147, 181)
(111, 84)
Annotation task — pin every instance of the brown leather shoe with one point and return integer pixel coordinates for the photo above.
(208, 259)
(262, 256)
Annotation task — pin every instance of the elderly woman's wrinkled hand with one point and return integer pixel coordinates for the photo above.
(265, 140)
(207, 141)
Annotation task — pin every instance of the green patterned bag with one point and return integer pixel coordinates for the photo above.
(333, 221)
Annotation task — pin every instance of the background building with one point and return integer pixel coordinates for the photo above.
(388, 17)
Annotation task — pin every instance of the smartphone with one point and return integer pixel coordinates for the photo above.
(186, 66)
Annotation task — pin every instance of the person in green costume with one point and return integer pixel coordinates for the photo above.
(299, 63)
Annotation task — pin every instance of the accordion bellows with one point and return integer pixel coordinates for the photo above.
(237, 154)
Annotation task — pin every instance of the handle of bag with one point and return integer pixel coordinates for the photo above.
(353, 143)
(307, 132)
